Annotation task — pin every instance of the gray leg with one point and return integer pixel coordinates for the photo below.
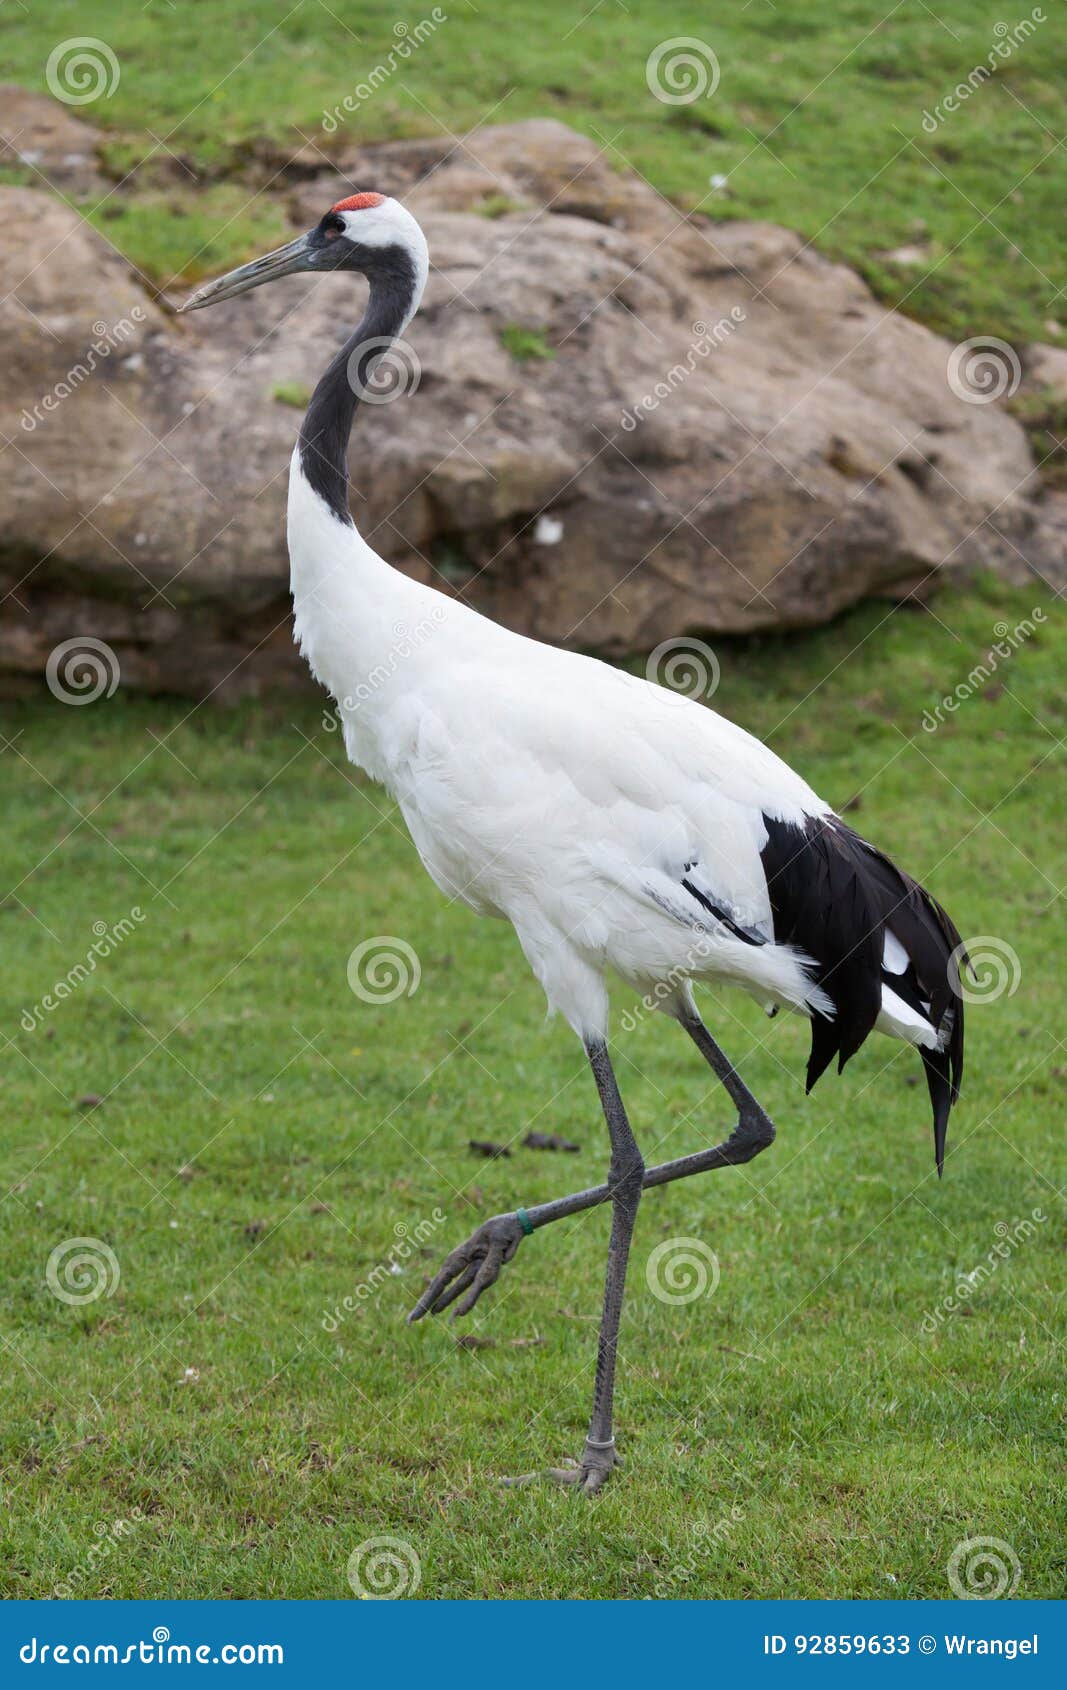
(754, 1130)
(625, 1180)
(476, 1264)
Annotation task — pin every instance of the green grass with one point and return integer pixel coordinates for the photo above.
(184, 236)
(524, 344)
(292, 393)
(817, 120)
(264, 1135)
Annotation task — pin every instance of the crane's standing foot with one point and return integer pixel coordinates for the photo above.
(595, 1468)
(598, 1463)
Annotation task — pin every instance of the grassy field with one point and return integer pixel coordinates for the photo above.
(817, 121)
(262, 1140)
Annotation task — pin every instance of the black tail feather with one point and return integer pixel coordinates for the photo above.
(834, 897)
(823, 1048)
(942, 1097)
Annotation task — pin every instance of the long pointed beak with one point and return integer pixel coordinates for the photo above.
(283, 262)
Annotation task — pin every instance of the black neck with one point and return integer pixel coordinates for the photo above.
(328, 420)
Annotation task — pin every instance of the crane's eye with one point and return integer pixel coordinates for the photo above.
(333, 227)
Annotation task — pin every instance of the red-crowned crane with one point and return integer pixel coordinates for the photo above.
(616, 825)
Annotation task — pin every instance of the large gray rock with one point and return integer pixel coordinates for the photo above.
(47, 141)
(731, 434)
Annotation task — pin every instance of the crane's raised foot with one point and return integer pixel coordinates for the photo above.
(471, 1268)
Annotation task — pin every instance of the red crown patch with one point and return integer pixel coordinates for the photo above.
(358, 202)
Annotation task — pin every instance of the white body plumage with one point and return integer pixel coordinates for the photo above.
(554, 790)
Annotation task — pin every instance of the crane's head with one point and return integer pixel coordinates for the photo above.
(368, 233)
